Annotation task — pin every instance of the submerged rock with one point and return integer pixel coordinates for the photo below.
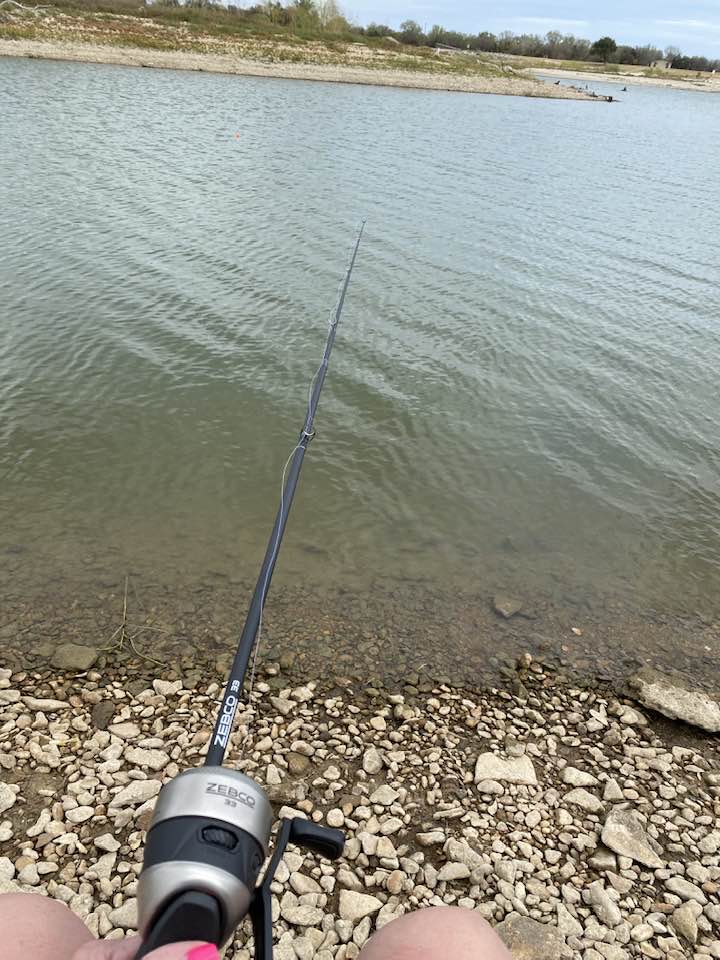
(672, 700)
(74, 656)
(506, 606)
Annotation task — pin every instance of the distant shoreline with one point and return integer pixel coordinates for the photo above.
(226, 63)
(704, 86)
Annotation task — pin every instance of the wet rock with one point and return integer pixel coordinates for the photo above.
(74, 656)
(527, 939)
(625, 834)
(515, 770)
(298, 763)
(102, 713)
(672, 700)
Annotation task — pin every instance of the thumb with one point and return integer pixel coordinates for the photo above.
(188, 950)
(127, 949)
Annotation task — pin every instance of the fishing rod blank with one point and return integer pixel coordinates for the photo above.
(211, 826)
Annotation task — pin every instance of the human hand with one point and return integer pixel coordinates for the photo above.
(127, 948)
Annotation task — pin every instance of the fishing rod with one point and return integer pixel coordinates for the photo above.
(210, 832)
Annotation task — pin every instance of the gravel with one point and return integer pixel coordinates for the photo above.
(578, 826)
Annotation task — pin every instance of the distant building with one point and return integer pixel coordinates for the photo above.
(661, 64)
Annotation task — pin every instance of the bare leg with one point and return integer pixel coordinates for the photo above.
(437, 933)
(39, 928)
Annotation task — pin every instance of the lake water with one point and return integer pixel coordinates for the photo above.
(524, 390)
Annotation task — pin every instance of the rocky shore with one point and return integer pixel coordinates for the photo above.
(579, 825)
(226, 60)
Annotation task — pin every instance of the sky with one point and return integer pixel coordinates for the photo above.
(691, 25)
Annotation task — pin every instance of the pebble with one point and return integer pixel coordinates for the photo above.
(372, 761)
(487, 801)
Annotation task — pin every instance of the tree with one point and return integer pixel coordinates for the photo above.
(411, 32)
(672, 53)
(603, 48)
(377, 30)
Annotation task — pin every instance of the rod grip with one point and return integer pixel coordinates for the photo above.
(190, 916)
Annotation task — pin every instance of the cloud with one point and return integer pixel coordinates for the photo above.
(689, 24)
(551, 22)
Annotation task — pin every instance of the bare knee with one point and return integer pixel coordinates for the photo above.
(34, 926)
(436, 933)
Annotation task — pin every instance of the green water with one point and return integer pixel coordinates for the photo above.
(524, 390)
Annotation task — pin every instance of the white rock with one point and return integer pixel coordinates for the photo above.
(303, 884)
(586, 801)
(625, 834)
(45, 704)
(566, 922)
(515, 770)
(685, 890)
(125, 916)
(137, 791)
(7, 797)
(282, 705)
(153, 759)
(125, 730)
(107, 842)
(577, 778)
(104, 865)
(79, 815)
(604, 907)
(167, 688)
(612, 790)
(384, 795)
(7, 868)
(354, 906)
(299, 914)
(453, 871)
(684, 921)
(29, 875)
(372, 761)
(672, 700)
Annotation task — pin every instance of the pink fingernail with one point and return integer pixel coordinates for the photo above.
(207, 951)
